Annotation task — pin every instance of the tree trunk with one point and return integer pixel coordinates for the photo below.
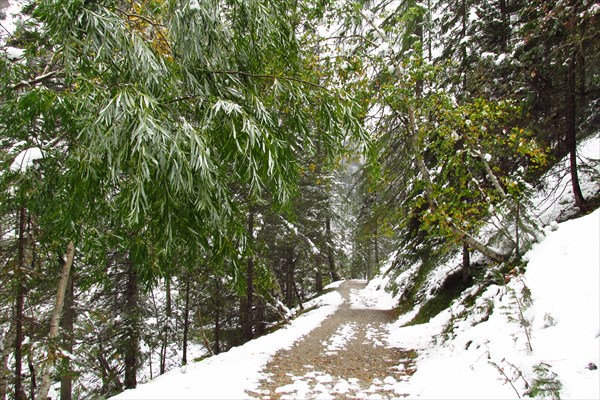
(571, 132)
(55, 320)
(330, 254)
(202, 332)
(504, 31)
(429, 35)
(166, 327)
(260, 324)
(368, 262)
(318, 280)
(581, 84)
(463, 46)
(186, 321)
(289, 278)
(32, 380)
(68, 322)
(248, 317)
(132, 326)
(419, 34)
(376, 245)
(217, 331)
(20, 304)
(466, 263)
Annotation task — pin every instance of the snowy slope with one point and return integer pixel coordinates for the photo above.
(547, 318)
(556, 326)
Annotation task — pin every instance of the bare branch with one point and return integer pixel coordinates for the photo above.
(273, 77)
(35, 81)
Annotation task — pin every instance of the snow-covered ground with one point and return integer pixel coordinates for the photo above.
(547, 318)
(228, 375)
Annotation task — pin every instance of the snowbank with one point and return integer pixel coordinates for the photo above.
(541, 329)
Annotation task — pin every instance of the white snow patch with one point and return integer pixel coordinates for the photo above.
(13, 16)
(342, 335)
(13, 53)
(24, 160)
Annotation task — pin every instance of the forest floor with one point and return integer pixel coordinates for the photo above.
(346, 357)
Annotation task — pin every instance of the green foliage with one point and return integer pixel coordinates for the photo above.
(164, 128)
(546, 384)
(515, 312)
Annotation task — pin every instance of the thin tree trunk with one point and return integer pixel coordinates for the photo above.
(289, 281)
(571, 133)
(318, 280)
(203, 333)
(466, 262)
(463, 46)
(166, 327)
(217, 330)
(368, 263)
(186, 321)
(430, 39)
(330, 254)
(132, 337)
(55, 320)
(248, 317)
(32, 380)
(298, 294)
(504, 32)
(259, 317)
(376, 244)
(20, 304)
(68, 323)
(419, 34)
(110, 377)
(581, 84)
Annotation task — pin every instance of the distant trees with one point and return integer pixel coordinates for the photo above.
(560, 50)
(457, 124)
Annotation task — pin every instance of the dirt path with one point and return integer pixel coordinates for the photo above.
(345, 357)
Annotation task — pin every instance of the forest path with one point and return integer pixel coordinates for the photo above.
(346, 357)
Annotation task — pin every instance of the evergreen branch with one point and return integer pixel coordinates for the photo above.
(508, 380)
